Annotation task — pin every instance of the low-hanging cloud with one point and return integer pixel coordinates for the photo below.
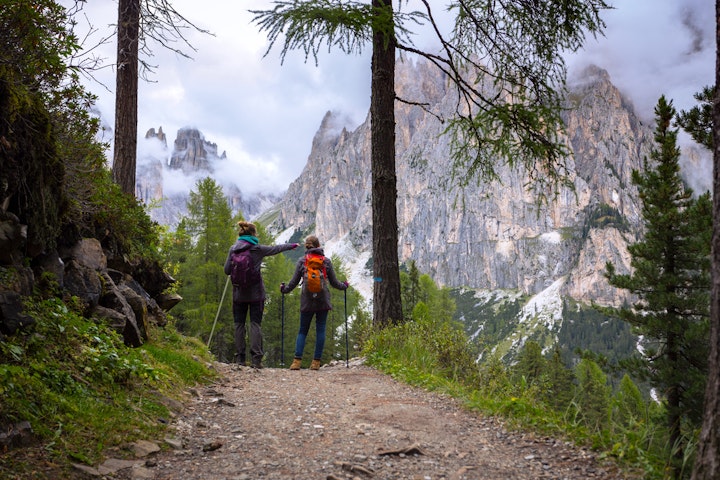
(265, 114)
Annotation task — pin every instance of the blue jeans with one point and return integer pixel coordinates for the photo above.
(320, 321)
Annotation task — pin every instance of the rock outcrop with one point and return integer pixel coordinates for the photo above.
(484, 235)
(121, 295)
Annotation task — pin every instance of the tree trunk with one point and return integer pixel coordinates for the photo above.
(674, 414)
(126, 94)
(707, 461)
(387, 305)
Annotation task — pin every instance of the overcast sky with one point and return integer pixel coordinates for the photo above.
(264, 114)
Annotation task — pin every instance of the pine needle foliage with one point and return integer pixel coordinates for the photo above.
(348, 26)
(670, 279)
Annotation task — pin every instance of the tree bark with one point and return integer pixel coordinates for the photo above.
(707, 460)
(387, 304)
(126, 95)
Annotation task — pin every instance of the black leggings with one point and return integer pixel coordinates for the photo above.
(240, 311)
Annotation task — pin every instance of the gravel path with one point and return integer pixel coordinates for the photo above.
(350, 423)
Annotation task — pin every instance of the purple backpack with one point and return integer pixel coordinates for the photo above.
(243, 273)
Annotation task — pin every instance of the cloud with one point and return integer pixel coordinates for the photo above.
(265, 114)
(652, 47)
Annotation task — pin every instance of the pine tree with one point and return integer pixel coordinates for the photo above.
(560, 382)
(670, 279)
(410, 288)
(138, 22)
(628, 404)
(592, 394)
(530, 363)
(126, 95)
(209, 227)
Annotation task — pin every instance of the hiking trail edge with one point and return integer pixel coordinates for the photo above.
(349, 423)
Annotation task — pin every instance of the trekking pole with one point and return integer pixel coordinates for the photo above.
(282, 331)
(347, 345)
(222, 299)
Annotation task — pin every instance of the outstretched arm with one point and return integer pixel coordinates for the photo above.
(268, 250)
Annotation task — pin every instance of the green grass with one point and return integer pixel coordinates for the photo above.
(84, 392)
(437, 356)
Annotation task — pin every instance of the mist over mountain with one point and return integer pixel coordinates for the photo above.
(165, 176)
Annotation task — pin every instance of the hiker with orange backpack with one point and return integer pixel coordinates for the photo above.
(317, 273)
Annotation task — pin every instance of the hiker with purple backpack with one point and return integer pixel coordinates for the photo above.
(316, 272)
(243, 265)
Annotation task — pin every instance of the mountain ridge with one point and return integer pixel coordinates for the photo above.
(491, 235)
(165, 177)
(490, 238)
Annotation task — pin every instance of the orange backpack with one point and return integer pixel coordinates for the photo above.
(315, 273)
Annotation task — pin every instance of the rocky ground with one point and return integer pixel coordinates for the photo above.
(344, 423)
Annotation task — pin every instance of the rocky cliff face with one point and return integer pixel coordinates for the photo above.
(485, 235)
(165, 178)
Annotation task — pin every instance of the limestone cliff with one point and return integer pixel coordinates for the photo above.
(485, 235)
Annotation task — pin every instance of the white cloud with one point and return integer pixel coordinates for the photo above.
(265, 114)
(656, 47)
(175, 182)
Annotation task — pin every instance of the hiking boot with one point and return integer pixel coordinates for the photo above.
(240, 360)
(256, 365)
(296, 364)
(315, 365)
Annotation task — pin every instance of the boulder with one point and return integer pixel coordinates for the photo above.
(87, 252)
(11, 317)
(166, 301)
(138, 306)
(50, 262)
(13, 236)
(15, 435)
(110, 317)
(155, 314)
(18, 279)
(83, 282)
(149, 274)
(113, 299)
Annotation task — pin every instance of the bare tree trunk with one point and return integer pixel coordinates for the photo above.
(674, 415)
(126, 94)
(707, 460)
(387, 304)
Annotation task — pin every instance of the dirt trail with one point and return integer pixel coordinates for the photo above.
(350, 423)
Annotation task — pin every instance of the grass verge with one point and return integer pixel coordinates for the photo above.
(85, 393)
(437, 356)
